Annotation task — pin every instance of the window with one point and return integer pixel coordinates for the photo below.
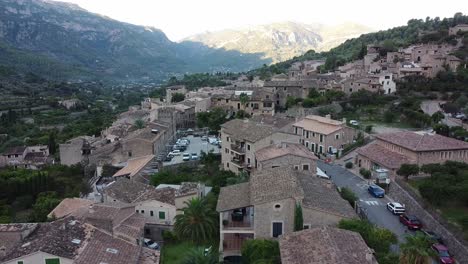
(248, 146)
(151, 213)
(307, 144)
(296, 167)
(227, 164)
(337, 136)
(248, 160)
(142, 211)
(162, 215)
(277, 229)
(277, 206)
(307, 134)
(313, 134)
(20, 262)
(305, 167)
(52, 261)
(321, 138)
(137, 211)
(295, 130)
(306, 226)
(227, 139)
(129, 153)
(226, 151)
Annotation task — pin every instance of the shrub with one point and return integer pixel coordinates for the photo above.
(169, 236)
(349, 165)
(368, 129)
(365, 173)
(348, 195)
(261, 251)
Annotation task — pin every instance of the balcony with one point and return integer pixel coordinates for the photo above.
(238, 219)
(238, 162)
(237, 148)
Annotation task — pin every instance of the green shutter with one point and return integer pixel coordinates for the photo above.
(52, 261)
(20, 262)
(162, 215)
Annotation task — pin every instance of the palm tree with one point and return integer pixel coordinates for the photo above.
(416, 250)
(199, 256)
(198, 223)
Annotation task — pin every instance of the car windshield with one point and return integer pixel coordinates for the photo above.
(444, 253)
(414, 221)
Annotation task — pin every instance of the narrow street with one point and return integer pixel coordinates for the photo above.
(375, 208)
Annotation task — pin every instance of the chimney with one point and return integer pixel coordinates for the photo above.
(328, 116)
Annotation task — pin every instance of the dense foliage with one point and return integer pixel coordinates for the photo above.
(417, 249)
(261, 251)
(198, 80)
(376, 238)
(348, 195)
(212, 119)
(22, 190)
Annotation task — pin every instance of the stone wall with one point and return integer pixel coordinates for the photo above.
(431, 220)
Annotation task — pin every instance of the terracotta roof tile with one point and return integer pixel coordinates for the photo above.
(134, 166)
(325, 245)
(233, 197)
(68, 206)
(274, 151)
(383, 156)
(319, 124)
(421, 141)
(247, 130)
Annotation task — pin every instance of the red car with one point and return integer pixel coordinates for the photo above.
(443, 254)
(411, 222)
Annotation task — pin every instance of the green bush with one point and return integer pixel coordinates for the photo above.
(365, 173)
(348, 195)
(169, 236)
(349, 165)
(368, 128)
(261, 251)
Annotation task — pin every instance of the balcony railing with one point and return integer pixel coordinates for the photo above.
(238, 149)
(238, 162)
(241, 219)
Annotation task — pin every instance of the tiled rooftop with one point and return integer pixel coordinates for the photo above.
(421, 141)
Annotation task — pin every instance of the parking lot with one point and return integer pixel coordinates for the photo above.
(196, 146)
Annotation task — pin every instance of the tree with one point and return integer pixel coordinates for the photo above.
(437, 117)
(45, 202)
(241, 114)
(244, 99)
(389, 116)
(407, 170)
(139, 124)
(298, 218)
(416, 250)
(212, 119)
(313, 93)
(442, 129)
(365, 173)
(198, 223)
(198, 256)
(177, 97)
(52, 144)
(261, 251)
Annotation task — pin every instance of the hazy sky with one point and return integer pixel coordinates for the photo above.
(181, 18)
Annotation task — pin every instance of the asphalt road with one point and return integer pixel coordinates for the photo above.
(375, 208)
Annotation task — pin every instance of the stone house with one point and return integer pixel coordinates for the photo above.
(323, 135)
(30, 157)
(390, 151)
(264, 207)
(201, 104)
(292, 155)
(76, 150)
(325, 245)
(70, 103)
(458, 28)
(185, 192)
(258, 102)
(242, 138)
(170, 91)
(283, 89)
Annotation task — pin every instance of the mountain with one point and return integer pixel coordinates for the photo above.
(63, 41)
(280, 41)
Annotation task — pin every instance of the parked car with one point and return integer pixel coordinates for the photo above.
(396, 208)
(150, 244)
(354, 122)
(376, 191)
(186, 156)
(443, 254)
(204, 138)
(168, 158)
(433, 236)
(194, 156)
(175, 153)
(412, 222)
(189, 131)
(213, 140)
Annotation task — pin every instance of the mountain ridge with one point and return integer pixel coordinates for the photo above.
(280, 40)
